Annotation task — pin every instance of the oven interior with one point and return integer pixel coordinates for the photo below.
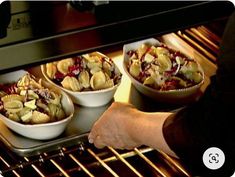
(71, 154)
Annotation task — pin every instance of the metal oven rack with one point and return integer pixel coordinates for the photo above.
(85, 160)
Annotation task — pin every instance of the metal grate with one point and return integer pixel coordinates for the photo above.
(203, 40)
(86, 160)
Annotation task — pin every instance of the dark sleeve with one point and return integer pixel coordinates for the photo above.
(210, 121)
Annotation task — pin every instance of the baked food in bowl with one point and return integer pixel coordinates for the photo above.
(160, 72)
(91, 79)
(33, 108)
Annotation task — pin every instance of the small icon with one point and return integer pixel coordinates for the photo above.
(213, 158)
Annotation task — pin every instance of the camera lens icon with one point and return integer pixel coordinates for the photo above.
(213, 158)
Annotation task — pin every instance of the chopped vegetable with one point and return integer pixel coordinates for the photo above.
(162, 68)
(27, 102)
(82, 73)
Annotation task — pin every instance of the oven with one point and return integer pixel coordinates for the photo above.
(34, 33)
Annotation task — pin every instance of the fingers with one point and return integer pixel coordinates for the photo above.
(109, 130)
(99, 143)
(92, 135)
(96, 140)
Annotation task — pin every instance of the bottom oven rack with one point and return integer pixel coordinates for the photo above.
(85, 160)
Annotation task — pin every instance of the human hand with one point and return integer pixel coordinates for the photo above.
(114, 128)
(124, 127)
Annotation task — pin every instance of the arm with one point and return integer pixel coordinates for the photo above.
(209, 122)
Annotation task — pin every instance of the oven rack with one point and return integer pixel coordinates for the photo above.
(77, 164)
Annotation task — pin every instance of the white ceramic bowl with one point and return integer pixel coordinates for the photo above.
(43, 131)
(172, 96)
(88, 98)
